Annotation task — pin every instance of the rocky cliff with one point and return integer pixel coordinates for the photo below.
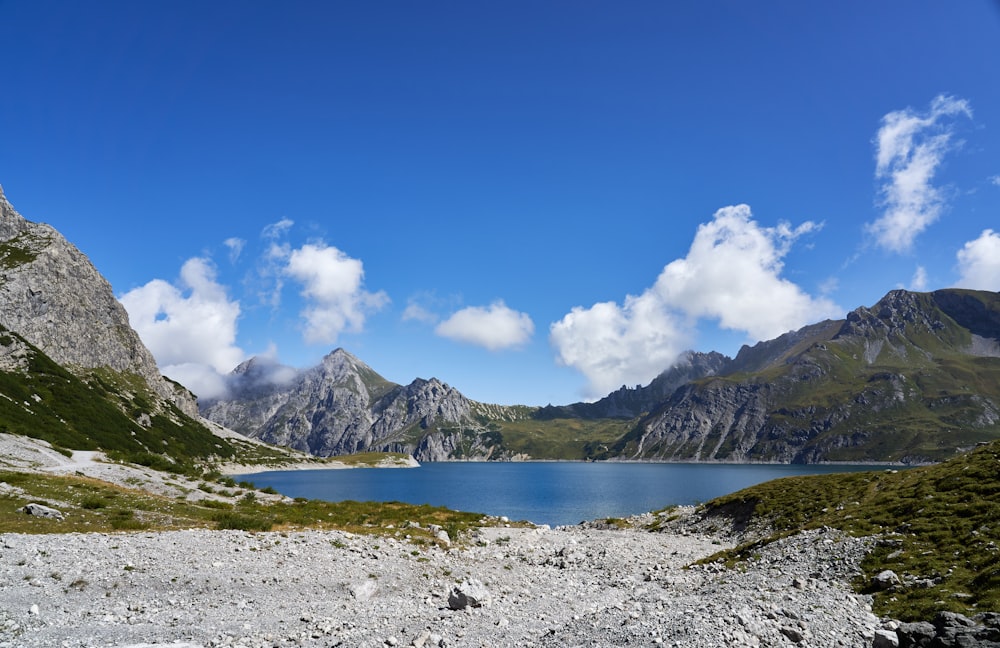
(342, 406)
(51, 294)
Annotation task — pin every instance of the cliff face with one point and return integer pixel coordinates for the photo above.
(914, 378)
(342, 406)
(52, 295)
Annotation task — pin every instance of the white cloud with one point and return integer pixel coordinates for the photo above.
(731, 274)
(190, 328)
(979, 262)
(615, 345)
(910, 148)
(919, 280)
(416, 312)
(494, 327)
(235, 246)
(995, 180)
(277, 230)
(332, 282)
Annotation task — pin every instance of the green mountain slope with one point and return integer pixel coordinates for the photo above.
(916, 378)
(939, 527)
(102, 410)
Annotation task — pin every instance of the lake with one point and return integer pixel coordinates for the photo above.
(542, 492)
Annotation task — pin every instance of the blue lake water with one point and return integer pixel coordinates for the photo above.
(543, 492)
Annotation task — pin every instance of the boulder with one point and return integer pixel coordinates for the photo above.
(471, 593)
(40, 510)
(885, 580)
(885, 639)
(364, 590)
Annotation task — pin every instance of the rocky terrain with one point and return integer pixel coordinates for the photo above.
(575, 586)
(342, 406)
(52, 295)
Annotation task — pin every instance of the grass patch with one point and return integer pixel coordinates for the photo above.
(125, 509)
(940, 527)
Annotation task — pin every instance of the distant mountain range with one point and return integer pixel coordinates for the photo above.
(914, 378)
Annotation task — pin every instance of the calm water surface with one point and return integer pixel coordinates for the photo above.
(543, 492)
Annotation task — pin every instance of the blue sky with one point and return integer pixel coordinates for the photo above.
(533, 202)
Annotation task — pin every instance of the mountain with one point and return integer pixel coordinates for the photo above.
(632, 402)
(912, 379)
(72, 370)
(343, 406)
(52, 295)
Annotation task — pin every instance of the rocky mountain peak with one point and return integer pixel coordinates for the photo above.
(52, 295)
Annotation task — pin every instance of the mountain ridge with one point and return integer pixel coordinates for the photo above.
(883, 384)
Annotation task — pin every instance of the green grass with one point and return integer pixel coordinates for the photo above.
(90, 505)
(939, 524)
(371, 459)
(101, 411)
(567, 439)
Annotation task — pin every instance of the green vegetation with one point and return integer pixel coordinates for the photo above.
(96, 506)
(371, 459)
(105, 411)
(939, 527)
(20, 250)
(567, 439)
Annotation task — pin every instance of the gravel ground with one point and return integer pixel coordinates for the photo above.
(538, 587)
(571, 586)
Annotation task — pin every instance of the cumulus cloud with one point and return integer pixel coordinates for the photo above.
(979, 262)
(919, 280)
(910, 147)
(995, 180)
(190, 328)
(494, 327)
(731, 274)
(613, 345)
(332, 283)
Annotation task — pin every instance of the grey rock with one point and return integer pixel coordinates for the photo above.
(53, 296)
(885, 639)
(470, 594)
(364, 590)
(40, 510)
(886, 579)
(343, 406)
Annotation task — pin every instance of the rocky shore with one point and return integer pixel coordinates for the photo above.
(574, 586)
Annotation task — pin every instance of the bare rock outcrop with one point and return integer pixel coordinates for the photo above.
(52, 295)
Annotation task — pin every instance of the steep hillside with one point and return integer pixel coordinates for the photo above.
(51, 294)
(105, 410)
(74, 373)
(914, 379)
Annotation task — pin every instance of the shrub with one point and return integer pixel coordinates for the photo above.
(242, 522)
